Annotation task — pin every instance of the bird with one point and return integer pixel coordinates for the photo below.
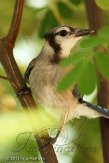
(44, 73)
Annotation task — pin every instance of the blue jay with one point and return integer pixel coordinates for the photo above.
(44, 73)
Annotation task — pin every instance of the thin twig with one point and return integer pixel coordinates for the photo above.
(3, 77)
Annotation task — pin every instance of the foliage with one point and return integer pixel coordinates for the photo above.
(103, 4)
(20, 139)
(64, 10)
(86, 62)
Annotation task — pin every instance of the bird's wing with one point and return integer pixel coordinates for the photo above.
(29, 69)
(76, 93)
(99, 109)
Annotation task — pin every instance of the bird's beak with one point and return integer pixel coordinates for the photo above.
(82, 32)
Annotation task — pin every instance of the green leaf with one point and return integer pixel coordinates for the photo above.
(64, 10)
(83, 74)
(91, 42)
(104, 32)
(49, 21)
(104, 4)
(76, 2)
(102, 61)
(40, 9)
(87, 78)
(69, 78)
(74, 58)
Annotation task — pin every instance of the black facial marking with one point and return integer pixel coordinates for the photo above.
(64, 32)
(50, 37)
(72, 29)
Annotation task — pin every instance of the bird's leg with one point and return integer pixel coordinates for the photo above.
(25, 89)
(53, 140)
(64, 120)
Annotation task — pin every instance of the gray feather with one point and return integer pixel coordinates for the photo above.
(29, 69)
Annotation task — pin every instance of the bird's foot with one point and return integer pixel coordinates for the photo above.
(53, 140)
(24, 90)
(49, 142)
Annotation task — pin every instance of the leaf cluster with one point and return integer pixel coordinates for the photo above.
(91, 59)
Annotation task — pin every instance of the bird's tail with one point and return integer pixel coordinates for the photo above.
(99, 109)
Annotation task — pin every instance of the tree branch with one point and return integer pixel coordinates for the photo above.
(96, 21)
(95, 15)
(15, 24)
(15, 77)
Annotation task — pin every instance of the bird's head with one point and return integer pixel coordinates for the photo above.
(62, 39)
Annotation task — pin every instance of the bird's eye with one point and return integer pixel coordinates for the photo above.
(63, 33)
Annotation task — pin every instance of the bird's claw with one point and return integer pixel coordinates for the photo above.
(24, 90)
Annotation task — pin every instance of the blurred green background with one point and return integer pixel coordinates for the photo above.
(80, 141)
